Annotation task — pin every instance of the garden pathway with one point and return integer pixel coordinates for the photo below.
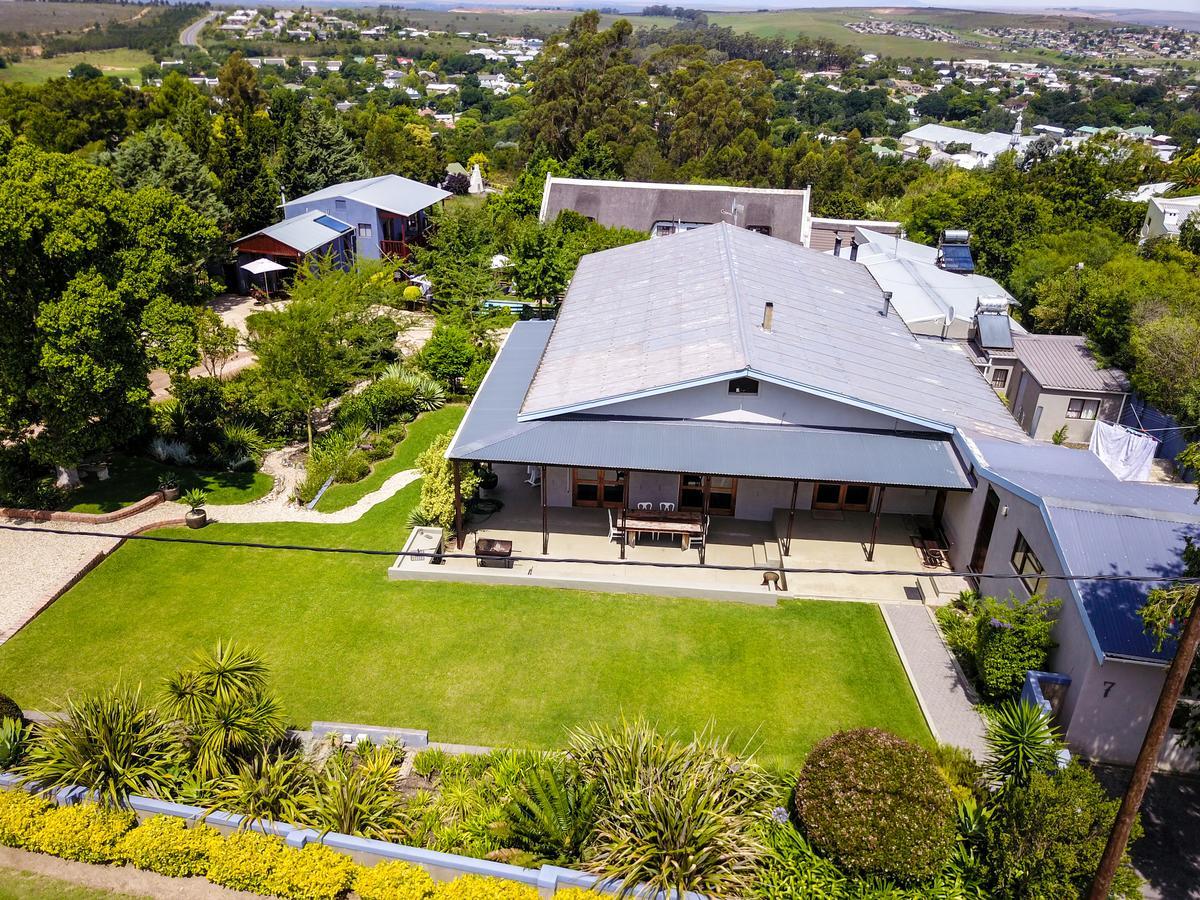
(941, 691)
(276, 507)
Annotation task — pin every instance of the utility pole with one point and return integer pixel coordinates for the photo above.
(1177, 674)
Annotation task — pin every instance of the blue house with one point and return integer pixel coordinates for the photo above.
(388, 213)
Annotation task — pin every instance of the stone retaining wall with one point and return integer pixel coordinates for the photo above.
(48, 515)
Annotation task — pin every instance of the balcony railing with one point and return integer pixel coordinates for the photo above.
(397, 249)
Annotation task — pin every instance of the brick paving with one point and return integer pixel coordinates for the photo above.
(941, 691)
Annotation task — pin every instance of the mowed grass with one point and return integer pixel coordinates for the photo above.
(133, 478)
(420, 432)
(121, 63)
(478, 664)
(17, 885)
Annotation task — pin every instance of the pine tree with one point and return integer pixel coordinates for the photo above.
(319, 154)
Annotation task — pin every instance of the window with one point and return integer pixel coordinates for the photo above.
(364, 230)
(598, 487)
(1082, 409)
(663, 230)
(722, 494)
(1028, 566)
(760, 229)
(743, 386)
(339, 203)
(1000, 379)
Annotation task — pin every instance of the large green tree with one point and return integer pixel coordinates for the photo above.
(318, 155)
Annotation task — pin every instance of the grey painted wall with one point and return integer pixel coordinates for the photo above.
(1030, 396)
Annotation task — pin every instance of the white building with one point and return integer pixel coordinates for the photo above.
(1164, 216)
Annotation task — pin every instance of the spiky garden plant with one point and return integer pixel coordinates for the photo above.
(111, 742)
(1021, 740)
(355, 793)
(552, 813)
(274, 788)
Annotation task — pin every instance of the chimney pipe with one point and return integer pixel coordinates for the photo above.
(853, 249)
(887, 304)
(837, 245)
(768, 315)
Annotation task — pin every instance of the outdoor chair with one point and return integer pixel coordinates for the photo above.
(667, 506)
(535, 476)
(696, 542)
(645, 506)
(614, 534)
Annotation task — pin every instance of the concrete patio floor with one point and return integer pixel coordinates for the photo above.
(581, 555)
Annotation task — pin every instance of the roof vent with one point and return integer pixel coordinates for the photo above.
(887, 304)
(837, 244)
(768, 315)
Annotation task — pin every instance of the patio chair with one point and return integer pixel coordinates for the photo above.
(614, 533)
(535, 476)
(695, 542)
(666, 506)
(645, 506)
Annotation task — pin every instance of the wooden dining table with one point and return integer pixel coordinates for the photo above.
(685, 524)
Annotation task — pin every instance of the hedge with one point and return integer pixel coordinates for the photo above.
(246, 861)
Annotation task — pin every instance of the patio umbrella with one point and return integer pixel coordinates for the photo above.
(262, 266)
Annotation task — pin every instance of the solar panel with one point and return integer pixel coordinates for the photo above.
(995, 332)
(330, 222)
(957, 258)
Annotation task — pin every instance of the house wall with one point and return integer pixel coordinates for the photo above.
(354, 213)
(1053, 404)
(773, 403)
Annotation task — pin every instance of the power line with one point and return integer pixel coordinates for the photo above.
(636, 563)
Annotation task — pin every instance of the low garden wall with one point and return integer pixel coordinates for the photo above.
(547, 880)
(48, 515)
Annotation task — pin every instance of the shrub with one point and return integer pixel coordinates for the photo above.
(393, 881)
(166, 845)
(476, 887)
(552, 812)
(167, 451)
(1013, 638)
(427, 762)
(312, 873)
(1021, 740)
(380, 402)
(437, 482)
(20, 813)
(245, 862)
(112, 742)
(959, 768)
(1046, 838)
(876, 804)
(13, 736)
(85, 833)
(9, 709)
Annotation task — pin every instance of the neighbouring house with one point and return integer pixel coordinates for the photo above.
(307, 236)
(763, 407)
(981, 149)
(664, 209)
(1057, 382)
(388, 212)
(1165, 215)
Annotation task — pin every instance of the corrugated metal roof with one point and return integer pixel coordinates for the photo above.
(1064, 362)
(391, 193)
(683, 309)
(640, 204)
(305, 232)
(491, 433)
(823, 232)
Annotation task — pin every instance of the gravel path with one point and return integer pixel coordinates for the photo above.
(276, 507)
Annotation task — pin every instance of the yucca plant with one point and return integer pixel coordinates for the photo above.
(1021, 740)
(355, 793)
(428, 393)
(111, 742)
(13, 736)
(237, 444)
(266, 788)
(234, 731)
(552, 813)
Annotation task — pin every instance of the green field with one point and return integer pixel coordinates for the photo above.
(510, 21)
(15, 885)
(122, 63)
(60, 18)
(479, 664)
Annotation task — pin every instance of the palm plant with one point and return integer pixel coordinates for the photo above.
(355, 793)
(266, 788)
(428, 393)
(1021, 740)
(111, 742)
(553, 813)
(679, 817)
(237, 444)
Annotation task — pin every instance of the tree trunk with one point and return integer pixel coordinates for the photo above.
(308, 421)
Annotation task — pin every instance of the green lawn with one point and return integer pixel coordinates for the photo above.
(16, 885)
(339, 496)
(131, 478)
(502, 666)
(122, 63)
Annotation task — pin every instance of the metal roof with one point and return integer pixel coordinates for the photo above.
(1103, 526)
(305, 232)
(641, 204)
(687, 309)
(391, 193)
(823, 232)
(1064, 362)
(490, 432)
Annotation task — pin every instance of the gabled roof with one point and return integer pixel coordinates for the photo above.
(641, 204)
(305, 232)
(688, 309)
(391, 193)
(1064, 362)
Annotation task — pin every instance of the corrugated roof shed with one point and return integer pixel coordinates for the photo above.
(490, 432)
(391, 193)
(1064, 362)
(305, 232)
(689, 308)
(640, 205)
(824, 232)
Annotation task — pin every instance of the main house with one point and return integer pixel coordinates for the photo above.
(370, 218)
(722, 377)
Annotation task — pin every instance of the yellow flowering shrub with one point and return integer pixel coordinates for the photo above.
(580, 894)
(167, 846)
(245, 862)
(312, 873)
(393, 881)
(86, 833)
(476, 887)
(19, 813)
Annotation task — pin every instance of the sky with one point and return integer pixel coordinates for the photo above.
(1011, 6)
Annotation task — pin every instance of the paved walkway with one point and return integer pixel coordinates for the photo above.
(941, 691)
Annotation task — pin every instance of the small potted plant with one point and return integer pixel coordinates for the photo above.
(488, 479)
(168, 487)
(196, 516)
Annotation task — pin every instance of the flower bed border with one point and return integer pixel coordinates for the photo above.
(55, 515)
